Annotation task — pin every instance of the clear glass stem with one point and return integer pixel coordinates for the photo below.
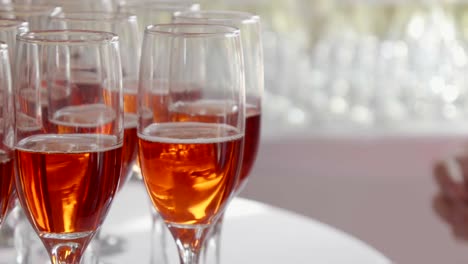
(66, 250)
(66, 253)
(189, 242)
(158, 239)
(211, 251)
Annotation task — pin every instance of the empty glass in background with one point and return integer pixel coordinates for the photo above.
(63, 127)
(81, 5)
(125, 26)
(190, 161)
(250, 28)
(8, 30)
(37, 15)
(72, 5)
(156, 11)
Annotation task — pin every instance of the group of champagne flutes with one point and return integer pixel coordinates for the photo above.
(94, 93)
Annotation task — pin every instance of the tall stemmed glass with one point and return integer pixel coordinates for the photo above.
(249, 25)
(125, 26)
(69, 152)
(190, 161)
(6, 146)
(151, 12)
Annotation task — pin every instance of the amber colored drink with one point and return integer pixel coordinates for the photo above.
(208, 111)
(189, 168)
(129, 151)
(6, 182)
(216, 112)
(66, 182)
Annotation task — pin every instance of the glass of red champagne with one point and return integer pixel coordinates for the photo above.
(151, 12)
(125, 26)
(68, 149)
(190, 164)
(249, 25)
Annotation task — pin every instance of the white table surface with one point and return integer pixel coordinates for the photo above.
(253, 233)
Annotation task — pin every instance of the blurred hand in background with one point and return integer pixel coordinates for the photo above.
(451, 202)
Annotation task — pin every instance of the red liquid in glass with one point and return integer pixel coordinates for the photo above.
(6, 182)
(189, 169)
(66, 182)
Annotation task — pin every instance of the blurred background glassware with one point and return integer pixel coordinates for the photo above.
(206, 61)
(73, 6)
(361, 64)
(81, 6)
(8, 30)
(65, 131)
(36, 15)
(125, 26)
(156, 11)
(251, 39)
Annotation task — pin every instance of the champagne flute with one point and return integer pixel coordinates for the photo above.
(249, 25)
(150, 12)
(125, 26)
(190, 161)
(36, 15)
(68, 134)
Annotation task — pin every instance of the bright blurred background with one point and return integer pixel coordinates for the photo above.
(362, 65)
(362, 97)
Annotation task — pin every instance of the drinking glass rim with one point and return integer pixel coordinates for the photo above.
(12, 23)
(164, 5)
(109, 16)
(219, 16)
(23, 9)
(34, 37)
(158, 29)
